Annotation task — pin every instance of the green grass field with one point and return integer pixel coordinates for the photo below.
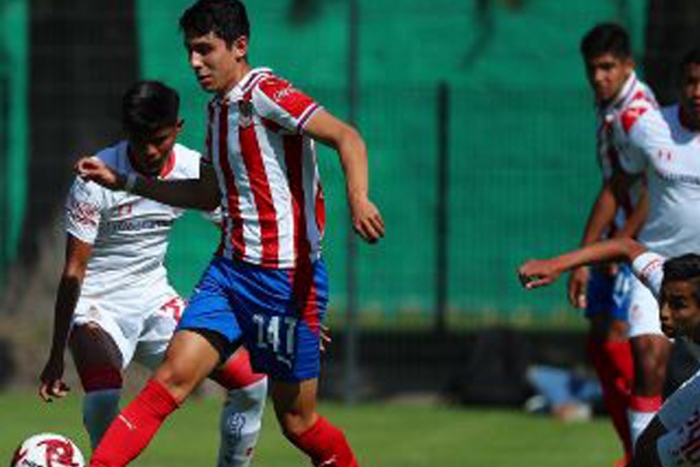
(383, 435)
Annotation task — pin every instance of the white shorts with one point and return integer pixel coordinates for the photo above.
(680, 415)
(644, 311)
(140, 319)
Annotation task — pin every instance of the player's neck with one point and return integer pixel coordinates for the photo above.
(240, 72)
(688, 122)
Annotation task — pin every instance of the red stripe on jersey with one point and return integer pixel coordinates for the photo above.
(262, 193)
(305, 295)
(320, 206)
(283, 94)
(234, 210)
(293, 151)
(630, 116)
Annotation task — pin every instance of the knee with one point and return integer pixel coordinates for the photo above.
(175, 378)
(294, 424)
(251, 397)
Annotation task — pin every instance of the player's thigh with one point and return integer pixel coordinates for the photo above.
(191, 357)
(159, 327)
(643, 311)
(93, 348)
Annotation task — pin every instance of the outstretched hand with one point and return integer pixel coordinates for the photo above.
(51, 380)
(94, 170)
(367, 220)
(538, 273)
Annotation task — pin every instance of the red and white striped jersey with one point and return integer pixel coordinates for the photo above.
(267, 172)
(634, 99)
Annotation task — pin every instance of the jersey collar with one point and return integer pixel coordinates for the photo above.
(244, 85)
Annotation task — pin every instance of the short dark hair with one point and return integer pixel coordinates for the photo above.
(684, 268)
(225, 18)
(148, 106)
(606, 38)
(691, 57)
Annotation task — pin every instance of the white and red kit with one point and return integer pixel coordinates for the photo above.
(271, 191)
(667, 152)
(125, 289)
(680, 413)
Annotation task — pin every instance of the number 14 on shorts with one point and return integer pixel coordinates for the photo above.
(278, 334)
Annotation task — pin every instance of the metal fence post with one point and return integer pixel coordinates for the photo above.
(441, 208)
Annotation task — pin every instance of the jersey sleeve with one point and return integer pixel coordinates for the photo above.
(648, 267)
(644, 134)
(83, 210)
(278, 101)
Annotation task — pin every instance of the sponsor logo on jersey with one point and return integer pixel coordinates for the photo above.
(245, 113)
(135, 225)
(83, 213)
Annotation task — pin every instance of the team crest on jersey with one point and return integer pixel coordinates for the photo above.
(245, 114)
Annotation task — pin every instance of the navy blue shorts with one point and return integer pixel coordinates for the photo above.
(608, 294)
(276, 313)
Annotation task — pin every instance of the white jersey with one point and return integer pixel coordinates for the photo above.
(609, 143)
(129, 234)
(670, 155)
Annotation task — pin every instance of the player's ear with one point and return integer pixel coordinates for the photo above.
(240, 45)
(180, 125)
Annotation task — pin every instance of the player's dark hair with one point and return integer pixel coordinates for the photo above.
(225, 18)
(606, 38)
(684, 268)
(691, 57)
(148, 106)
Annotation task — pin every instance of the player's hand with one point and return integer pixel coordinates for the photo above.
(52, 384)
(576, 289)
(94, 170)
(538, 272)
(367, 220)
(325, 337)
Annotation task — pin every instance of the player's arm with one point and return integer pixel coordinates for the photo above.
(200, 193)
(637, 218)
(538, 273)
(77, 255)
(366, 218)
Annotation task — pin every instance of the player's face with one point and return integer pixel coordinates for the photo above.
(607, 74)
(680, 313)
(151, 151)
(216, 65)
(690, 95)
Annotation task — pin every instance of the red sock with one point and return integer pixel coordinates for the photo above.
(613, 364)
(325, 445)
(134, 427)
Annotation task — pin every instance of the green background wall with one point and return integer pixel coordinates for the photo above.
(522, 171)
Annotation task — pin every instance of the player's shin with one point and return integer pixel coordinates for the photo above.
(240, 423)
(325, 444)
(100, 407)
(134, 427)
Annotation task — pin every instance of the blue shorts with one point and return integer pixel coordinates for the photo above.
(275, 313)
(608, 294)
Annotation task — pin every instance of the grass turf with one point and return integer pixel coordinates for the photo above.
(383, 435)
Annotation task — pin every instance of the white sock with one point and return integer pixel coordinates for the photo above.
(638, 422)
(240, 423)
(99, 409)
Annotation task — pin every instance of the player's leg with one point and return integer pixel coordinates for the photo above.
(98, 362)
(295, 407)
(241, 416)
(609, 348)
(190, 358)
(650, 352)
(206, 332)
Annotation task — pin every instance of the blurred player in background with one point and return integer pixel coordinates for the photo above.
(604, 291)
(114, 303)
(665, 145)
(267, 285)
(672, 438)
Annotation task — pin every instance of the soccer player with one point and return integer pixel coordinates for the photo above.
(672, 438)
(114, 303)
(604, 291)
(267, 285)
